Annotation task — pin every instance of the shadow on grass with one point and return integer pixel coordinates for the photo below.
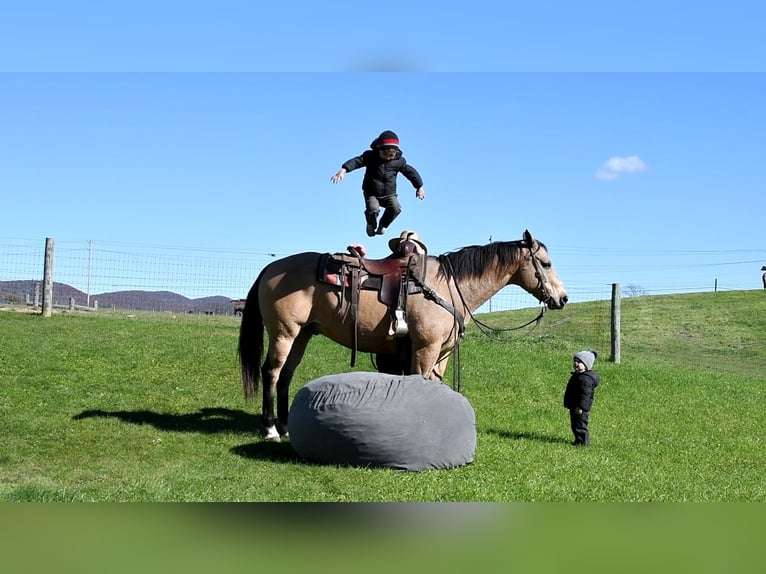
(528, 436)
(267, 450)
(205, 421)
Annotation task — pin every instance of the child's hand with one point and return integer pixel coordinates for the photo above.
(420, 193)
(338, 176)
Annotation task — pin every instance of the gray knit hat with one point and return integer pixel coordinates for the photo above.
(586, 358)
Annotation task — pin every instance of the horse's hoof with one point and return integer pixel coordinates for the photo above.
(272, 434)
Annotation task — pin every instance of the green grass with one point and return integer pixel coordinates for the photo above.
(148, 407)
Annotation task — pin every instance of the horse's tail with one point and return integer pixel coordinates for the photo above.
(250, 350)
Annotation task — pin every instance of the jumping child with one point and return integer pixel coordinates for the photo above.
(382, 162)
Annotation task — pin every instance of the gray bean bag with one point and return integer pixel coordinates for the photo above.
(404, 422)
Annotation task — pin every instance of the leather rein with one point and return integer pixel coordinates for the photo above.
(488, 329)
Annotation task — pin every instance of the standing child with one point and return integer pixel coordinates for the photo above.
(578, 397)
(382, 163)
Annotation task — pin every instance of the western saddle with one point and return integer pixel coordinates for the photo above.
(394, 278)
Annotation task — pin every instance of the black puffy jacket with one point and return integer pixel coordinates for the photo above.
(580, 390)
(380, 176)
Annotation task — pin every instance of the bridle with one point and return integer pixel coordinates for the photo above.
(546, 296)
(483, 327)
(487, 329)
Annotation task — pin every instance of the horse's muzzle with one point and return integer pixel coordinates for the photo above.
(556, 302)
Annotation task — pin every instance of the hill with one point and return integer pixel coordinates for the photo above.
(722, 332)
(29, 291)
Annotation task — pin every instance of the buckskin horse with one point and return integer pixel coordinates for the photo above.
(293, 300)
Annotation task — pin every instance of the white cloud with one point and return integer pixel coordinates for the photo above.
(616, 167)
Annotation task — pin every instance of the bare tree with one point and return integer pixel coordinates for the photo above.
(632, 290)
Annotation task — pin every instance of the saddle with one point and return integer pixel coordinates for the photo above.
(393, 277)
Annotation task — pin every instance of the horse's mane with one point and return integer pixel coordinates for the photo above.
(472, 261)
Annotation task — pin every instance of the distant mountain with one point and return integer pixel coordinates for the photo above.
(24, 291)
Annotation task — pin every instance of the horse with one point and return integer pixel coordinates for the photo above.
(292, 304)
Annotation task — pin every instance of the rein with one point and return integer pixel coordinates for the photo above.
(459, 321)
(488, 329)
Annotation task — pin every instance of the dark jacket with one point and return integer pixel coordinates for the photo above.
(380, 176)
(580, 390)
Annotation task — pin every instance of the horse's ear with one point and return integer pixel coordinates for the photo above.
(528, 238)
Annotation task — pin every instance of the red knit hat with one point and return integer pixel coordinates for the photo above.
(386, 139)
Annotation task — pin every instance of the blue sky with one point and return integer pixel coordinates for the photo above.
(517, 35)
(629, 144)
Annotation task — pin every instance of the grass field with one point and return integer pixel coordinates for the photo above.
(149, 407)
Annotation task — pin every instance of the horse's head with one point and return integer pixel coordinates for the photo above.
(537, 275)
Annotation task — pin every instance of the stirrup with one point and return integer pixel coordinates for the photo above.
(399, 324)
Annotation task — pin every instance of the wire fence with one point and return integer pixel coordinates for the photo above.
(91, 273)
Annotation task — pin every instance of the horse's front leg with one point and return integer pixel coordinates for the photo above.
(440, 367)
(424, 362)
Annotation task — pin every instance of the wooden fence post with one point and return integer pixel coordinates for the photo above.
(48, 278)
(616, 322)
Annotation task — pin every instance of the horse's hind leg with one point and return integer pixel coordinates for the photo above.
(286, 377)
(271, 372)
(277, 372)
(267, 410)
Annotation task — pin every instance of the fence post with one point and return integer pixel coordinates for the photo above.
(616, 322)
(48, 278)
